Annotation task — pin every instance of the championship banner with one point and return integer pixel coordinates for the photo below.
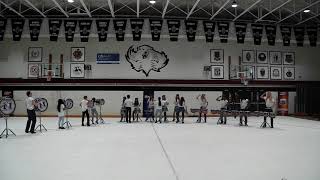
(34, 26)
(223, 29)
(191, 29)
(271, 32)
(286, 35)
(3, 23)
(312, 32)
(85, 28)
(136, 27)
(120, 28)
(241, 29)
(102, 28)
(299, 33)
(173, 27)
(209, 27)
(70, 28)
(108, 58)
(54, 29)
(155, 26)
(257, 30)
(17, 28)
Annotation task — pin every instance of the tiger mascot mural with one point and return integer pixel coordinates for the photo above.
(144, 58)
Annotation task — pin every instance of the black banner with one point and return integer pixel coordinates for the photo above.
(209, 27)
(3, 23)
(102, 28)
(34, 26)
(155, 26)
(85, 28)
(241, 29)
(17, 28)
(286, 35)
(173, 27)
(299, 33)
(223, 29)
(257, 30)
(120, 28)
(136, 27)
(312, 32)
(271, 32)
(54, 29)
(191, 29)
(69, 29)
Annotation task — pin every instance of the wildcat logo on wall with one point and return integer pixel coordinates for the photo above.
(145, 58)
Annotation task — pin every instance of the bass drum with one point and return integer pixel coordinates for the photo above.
(42, 104)
(7, 106)
(68, 103)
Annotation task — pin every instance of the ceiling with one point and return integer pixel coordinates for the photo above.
(259, 11)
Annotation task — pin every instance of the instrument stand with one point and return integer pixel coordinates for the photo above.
(6, 131)
(100, 115)
(40, 126)
(265, 123)
(67, 123)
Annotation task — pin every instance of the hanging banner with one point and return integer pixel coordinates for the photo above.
(17, 28)
(54, 29)
(120, 28)
(209, 27)
(102, 28)
(191, 29)
(155, 26)
(173, 27)
(286, 35)
(70, 29)
(136, 27)
(34, 27)
(85, 28)
(257, 30)
(108, 58)
(271, 32)
(312, 32)
(223, 29)
(299, 33)
(241, 29)
(3, 23)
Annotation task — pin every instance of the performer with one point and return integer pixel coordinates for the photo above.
(176, 105)
(223, 109)
(128, 103)
(270, 103)
(181, 108)
(84, 108)
(32, 117)
(203, 107)
(150, 112)
(94, 112)
(123, 109)
(158, 110)
(243, 109)
(165, 105)
(61, 108)
(136, 109)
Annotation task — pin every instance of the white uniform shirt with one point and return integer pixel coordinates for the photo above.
(203, 103)
(164, 103)
(61, 113)
(29, 104)
(157, 105)
(223, 103)
(244, 103)
(84, 105)
(269, 102)
(128, 103)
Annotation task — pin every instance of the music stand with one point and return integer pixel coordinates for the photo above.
(101, 102)
(41, 107)
(68, 105)
(8, 106)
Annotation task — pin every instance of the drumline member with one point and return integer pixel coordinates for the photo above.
(128, 103)
(203, 107)
(176, 105)
(60, 109)
(136, 109)
(223, 108)
(270, 103)
(123, 109)
(243, 109)
(181, 108)
(165, 105)
(158, 110)
(94, 112)
(32, 117)
(150, 109)
(84, 108)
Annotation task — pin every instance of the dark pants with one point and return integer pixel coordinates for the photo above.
(178, 115)
(150, 114)
(87, 114)
(32, 118)
(243, 114)
(128, 114)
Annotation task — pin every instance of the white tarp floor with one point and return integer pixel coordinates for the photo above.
(145, 151)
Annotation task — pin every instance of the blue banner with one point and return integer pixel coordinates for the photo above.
(108, 58)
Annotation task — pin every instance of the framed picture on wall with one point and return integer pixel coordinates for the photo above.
(216, 56)
(275, 73)
(77, 70)
(34, 70)
(77, 54)
(248, 70)
(233, 71)
(288, 58)
(275, 57)
(289, 73)
(262, 57)
(248, 56)
(217, 72)
(35, 54)
(262, 72)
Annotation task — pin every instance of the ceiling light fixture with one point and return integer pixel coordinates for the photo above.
(70, 1)
(234, 4)
(306, 10)
(152, 2)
